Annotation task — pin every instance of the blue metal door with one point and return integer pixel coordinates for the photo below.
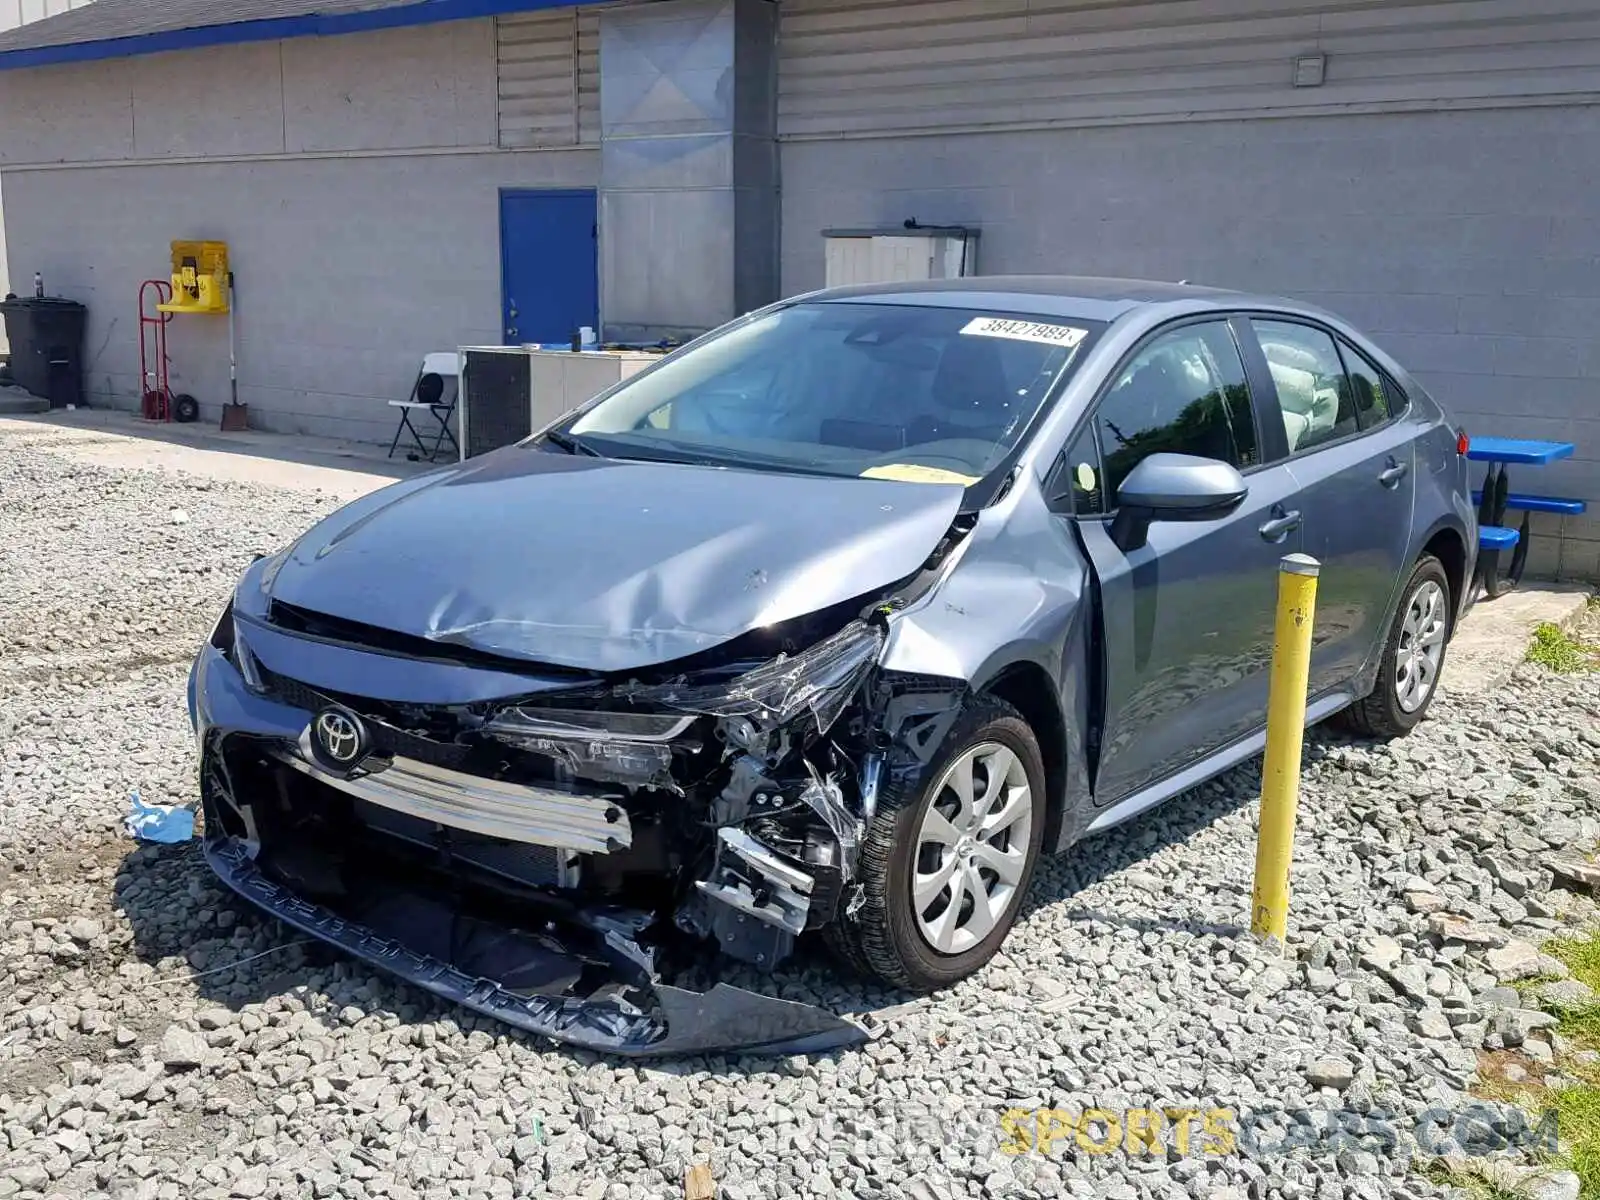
(549, 273)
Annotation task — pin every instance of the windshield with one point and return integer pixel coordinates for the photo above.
(885, 391)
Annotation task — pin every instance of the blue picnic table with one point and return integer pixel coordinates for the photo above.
(1517, 450)
(1497, 497)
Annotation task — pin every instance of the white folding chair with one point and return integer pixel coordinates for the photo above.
(436, 377)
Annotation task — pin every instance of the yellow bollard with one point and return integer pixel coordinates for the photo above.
(1286, 729)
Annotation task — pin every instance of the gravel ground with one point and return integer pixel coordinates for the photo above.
(145, 1049)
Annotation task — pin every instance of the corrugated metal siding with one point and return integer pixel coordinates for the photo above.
(549, 78)
(23, 12)
(589, 76)
(874, 66)
(135, 18)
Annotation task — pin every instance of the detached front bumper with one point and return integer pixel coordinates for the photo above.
(673, 1021)
(583, 978)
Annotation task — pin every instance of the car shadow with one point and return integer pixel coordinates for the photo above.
(187, 924)
(1099, 856)
(189, 928)
(1095, 858)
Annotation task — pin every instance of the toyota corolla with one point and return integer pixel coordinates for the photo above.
(832, 621)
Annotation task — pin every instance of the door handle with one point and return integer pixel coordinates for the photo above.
(1279, 526)
(1391, 476)
(512, 332)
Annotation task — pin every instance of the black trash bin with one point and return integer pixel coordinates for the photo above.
(46, 338)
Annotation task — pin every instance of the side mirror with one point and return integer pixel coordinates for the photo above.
(1174, 487)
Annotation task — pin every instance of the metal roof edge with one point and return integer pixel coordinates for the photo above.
(422, 12)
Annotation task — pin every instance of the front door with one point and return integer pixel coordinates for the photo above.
(1188, 617)
(1357, 474)
(549, 265)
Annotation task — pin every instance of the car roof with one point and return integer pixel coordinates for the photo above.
(1085, 297)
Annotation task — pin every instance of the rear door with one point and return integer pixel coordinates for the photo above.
(1355, 465)
(1188, 617)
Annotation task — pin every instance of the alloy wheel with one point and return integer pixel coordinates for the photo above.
(1421, 646)
(972, 848)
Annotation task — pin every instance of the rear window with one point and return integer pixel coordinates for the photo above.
(1314, 395)
(1376, 399)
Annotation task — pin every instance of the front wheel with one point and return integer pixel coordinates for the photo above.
(1413, 657)
(946, 861)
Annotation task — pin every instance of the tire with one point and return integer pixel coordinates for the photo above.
(886, 938)
(185, 408)
(1387, 712)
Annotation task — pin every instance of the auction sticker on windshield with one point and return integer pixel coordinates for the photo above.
(917, 473)
(1068, 336)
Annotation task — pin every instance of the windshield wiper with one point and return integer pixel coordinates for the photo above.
(697, 455)
(569, 443)
(667, 450)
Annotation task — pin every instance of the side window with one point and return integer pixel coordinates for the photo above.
(1183, 393)
(1369, 387)
(1313, 392)
(1078, 474)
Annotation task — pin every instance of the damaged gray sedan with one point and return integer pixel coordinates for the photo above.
(832, 621)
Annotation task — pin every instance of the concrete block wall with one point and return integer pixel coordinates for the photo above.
(425, 87)
(1467, 243)
(12, 14)
(348, 271)
(355, 179)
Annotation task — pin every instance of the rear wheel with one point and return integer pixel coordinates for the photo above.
(948, 856)
(1413, 657)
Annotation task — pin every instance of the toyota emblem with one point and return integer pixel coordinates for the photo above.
(338, 737)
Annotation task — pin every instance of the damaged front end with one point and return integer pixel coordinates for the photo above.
(762, 834)
(546, 858)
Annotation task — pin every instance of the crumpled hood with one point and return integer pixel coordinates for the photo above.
(607, 565)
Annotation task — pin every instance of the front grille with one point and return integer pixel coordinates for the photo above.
(291, 691)
(448, 741)
(388, 740)
(343, 833)
(399, 743)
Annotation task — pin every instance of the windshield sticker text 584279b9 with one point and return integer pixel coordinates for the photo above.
(1067, 336)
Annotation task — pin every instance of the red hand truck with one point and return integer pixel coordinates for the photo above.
(156, 403)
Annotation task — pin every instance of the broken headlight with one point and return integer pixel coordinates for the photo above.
(227, 637)
(757, 712)
(759, 708)
(222, 632)
(245, 661)
(607, 746)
